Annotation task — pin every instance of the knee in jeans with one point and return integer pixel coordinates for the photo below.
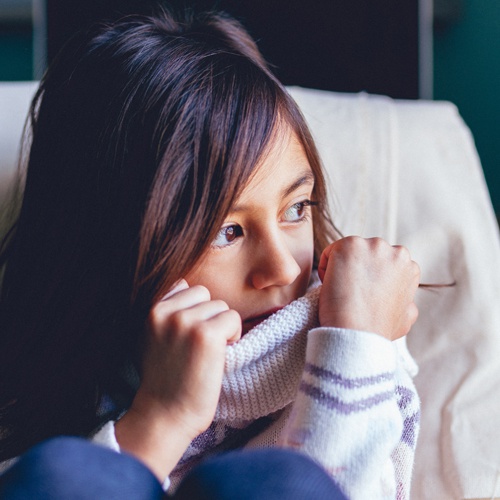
(54, 457)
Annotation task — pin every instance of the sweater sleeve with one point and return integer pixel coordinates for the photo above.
(348, 413)
(106, 436)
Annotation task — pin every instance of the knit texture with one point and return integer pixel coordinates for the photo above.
(343, 397)
(261, 377)
(263, 369)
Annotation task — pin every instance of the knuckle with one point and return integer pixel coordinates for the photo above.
(352, 244)
(202, 292)
(158, 314)
(402, 252)
(200, 332)
(233, 316)
(416, 269)
(178, 321)
(220, 305)
(413, 313)
(351, 240)
(379, 247)
(401, 256)
(377, 242)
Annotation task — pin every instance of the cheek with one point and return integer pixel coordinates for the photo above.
(303, 252)
(304, 256)
(216, 273)
(201, 275)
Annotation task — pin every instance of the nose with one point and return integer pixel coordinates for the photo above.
(274, 264)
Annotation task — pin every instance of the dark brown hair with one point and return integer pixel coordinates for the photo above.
(143, 133)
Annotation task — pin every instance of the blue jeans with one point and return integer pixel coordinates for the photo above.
(75, 469)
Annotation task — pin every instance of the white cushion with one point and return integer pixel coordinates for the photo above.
(409, 171)
(15, 99)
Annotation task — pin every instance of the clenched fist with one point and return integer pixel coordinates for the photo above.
(368, 285)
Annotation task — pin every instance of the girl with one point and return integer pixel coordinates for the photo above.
(174, 204)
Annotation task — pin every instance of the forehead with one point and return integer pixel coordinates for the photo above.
(284, 163)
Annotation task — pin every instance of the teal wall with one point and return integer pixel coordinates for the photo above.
(16, 54)
(467, 72)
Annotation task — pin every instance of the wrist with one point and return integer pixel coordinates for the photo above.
(155, 434)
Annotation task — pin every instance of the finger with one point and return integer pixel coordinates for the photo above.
(416, 270)
(410, 319)
(413, 313)
(190, 319)
(227, 323)
(205, 310)
(346, 243)
(182, 299)
(182, 284)
(402, 252)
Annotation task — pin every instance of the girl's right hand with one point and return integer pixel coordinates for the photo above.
(183, 365)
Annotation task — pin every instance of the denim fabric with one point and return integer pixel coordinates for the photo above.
(74, 469)
(264, 474)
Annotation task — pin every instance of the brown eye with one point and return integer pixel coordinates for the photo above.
(298, 211)
(230, 233)
(227, 235)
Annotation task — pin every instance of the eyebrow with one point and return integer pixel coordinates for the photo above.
(306, 178)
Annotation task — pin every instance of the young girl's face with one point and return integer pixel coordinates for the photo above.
(262, 257)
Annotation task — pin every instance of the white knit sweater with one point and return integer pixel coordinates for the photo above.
(343, 397)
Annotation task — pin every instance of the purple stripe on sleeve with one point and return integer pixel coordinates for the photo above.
(336, 404)
(406, 396)
(410, 425)
(350, 383)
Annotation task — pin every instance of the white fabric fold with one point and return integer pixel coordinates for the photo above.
(263, 369)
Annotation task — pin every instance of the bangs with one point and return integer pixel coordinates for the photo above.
(212, 140)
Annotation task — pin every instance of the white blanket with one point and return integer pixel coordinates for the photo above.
(409, 171)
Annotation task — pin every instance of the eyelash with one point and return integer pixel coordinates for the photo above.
(300, 205)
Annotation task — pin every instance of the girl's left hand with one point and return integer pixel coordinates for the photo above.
(368, 285)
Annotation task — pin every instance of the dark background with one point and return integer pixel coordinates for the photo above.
(341, 45)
